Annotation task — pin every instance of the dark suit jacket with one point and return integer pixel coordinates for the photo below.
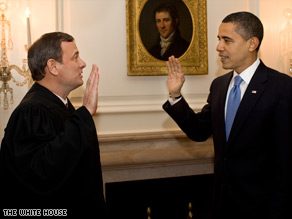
(177, 48)
(252, 170)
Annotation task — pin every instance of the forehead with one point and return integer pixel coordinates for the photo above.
(68, 48)
(228, 29)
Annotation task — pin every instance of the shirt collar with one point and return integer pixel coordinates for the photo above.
(65, 101)
(247, 74)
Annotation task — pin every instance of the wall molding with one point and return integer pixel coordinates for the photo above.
(140, 136)
(139, 104)
(59, 5)
(254, 7)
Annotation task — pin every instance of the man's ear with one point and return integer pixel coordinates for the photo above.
(253, 44)
(52, 66)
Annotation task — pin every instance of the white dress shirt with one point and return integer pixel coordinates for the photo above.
(64, 101)
(246, 76)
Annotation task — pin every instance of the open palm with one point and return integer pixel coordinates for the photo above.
(176, 78)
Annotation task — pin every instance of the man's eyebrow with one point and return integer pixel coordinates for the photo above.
(224, 37)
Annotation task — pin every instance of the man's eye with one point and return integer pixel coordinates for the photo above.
(228, 40)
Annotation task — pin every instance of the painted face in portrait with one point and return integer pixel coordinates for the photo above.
(165, 24)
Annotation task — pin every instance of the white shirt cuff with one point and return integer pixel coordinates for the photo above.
(172, 102)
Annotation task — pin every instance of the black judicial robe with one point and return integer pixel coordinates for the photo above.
(49, 158)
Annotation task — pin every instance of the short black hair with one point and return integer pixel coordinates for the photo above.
(247, 25)
(48, 46)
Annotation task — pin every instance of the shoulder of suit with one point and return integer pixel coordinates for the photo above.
(224, 77)
(276, 75)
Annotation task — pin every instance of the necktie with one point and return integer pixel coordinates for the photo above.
(232, 104)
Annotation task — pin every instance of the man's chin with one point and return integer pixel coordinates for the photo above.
(78, 85)
(226, 67)
(164, 36)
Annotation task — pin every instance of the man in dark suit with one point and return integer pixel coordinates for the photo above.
(253, 150)
(169, 41)
(49, 158)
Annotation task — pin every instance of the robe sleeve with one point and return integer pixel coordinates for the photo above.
(41, 151)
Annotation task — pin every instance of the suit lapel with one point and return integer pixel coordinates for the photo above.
(219, 93)
(252, 94)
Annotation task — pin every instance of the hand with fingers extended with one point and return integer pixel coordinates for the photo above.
(90, 98)
(176, 78)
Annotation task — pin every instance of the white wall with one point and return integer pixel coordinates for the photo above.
(271, 12)
(126, 104)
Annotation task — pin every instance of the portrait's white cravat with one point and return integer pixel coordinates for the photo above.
(165, 43)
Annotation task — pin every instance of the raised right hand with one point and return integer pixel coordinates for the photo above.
(90, 98)
(176, 78)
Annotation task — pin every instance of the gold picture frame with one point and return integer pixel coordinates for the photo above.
(194, 61)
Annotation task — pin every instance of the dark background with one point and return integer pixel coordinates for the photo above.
(168, 198)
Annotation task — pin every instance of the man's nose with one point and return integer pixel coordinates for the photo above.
(162, 25)
(82, 63)
(219, 47)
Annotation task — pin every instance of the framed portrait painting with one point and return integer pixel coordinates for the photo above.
(157, 29)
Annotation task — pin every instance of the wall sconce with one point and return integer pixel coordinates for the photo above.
(286, 40)
(6, 69)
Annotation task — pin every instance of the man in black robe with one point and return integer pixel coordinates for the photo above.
(49, 156)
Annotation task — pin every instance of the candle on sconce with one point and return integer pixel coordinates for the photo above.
(28, 28)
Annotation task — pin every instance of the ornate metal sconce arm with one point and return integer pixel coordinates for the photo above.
(5, 69)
